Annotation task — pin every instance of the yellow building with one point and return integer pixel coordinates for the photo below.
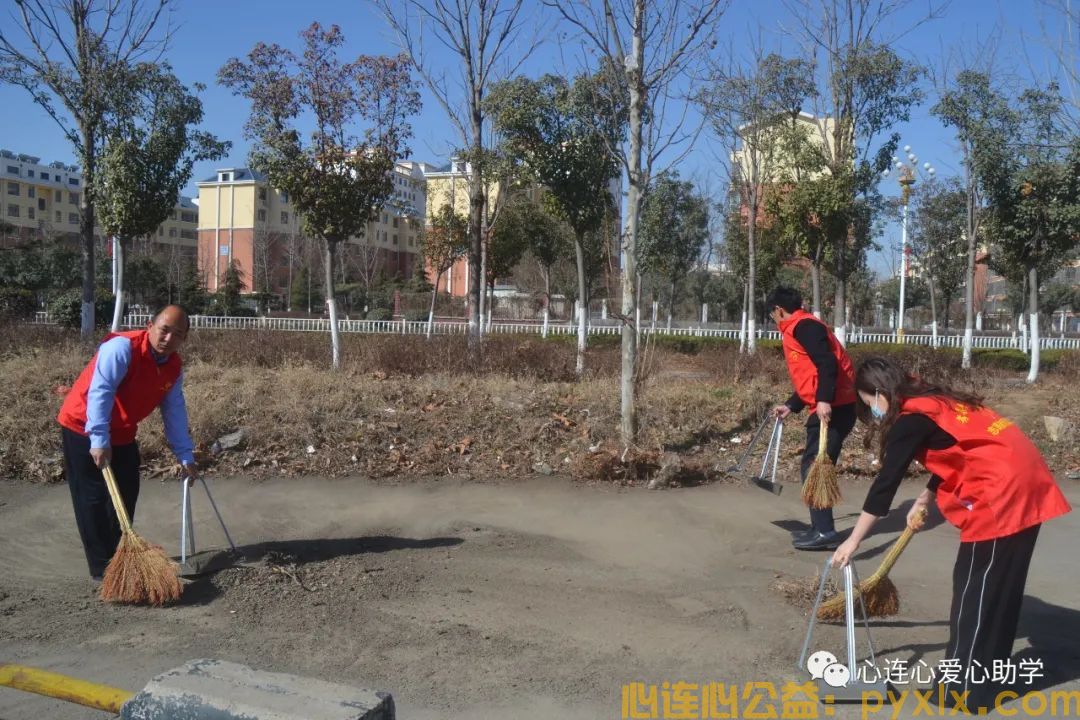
(773, 162)
(43, 201)
(244, 220)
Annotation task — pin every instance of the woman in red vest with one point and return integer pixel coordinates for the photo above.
(988, 479)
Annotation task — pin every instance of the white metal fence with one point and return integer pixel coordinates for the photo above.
(451, 327)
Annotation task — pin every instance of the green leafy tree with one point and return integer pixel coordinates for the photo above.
(562, 138)
(146, 281)
(191, 290)
(72, 56)
(674, 229)
(341, 174)
(936, 231)
(984, 124)
(1034, 210)
(750, 108)
(151, 147)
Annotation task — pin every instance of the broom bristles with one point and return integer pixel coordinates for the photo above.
(821, 490)
(140, 573)
(879, 595)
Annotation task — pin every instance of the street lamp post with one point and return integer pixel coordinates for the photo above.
(906, 177)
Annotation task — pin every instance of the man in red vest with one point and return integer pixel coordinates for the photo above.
(824, 380)
(132, 374)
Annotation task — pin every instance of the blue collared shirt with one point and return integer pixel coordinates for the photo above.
(113, 359)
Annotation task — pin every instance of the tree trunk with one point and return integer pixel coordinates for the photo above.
(969, 284)
(476, 224)
(484, 286)
(86, 230)
(742, 322)
(335, 341)
(815, 278)
(933, 311)
(431, 310)
(547, 299)
(635, 68)
(671, 304)
(118, 281)
(579, 252)
(751, 273)
(1033, 303)
(840, 303)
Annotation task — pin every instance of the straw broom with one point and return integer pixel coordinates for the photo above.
(878, 592)
(139, 573)
(821, 490)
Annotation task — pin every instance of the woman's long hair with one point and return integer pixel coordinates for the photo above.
(879, 375)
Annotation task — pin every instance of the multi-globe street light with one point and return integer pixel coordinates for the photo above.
(906, 174)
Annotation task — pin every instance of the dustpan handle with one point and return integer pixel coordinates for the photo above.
(118, 502)
(813, 613)
(777, 426)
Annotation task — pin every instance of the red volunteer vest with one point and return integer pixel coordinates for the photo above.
(140, 392)
(803, 372)
(994, 480)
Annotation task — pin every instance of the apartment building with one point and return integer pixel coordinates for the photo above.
(43, 201)
(243, 220)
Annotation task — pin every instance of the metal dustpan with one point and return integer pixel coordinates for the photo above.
(192, 562)
(856, 689)
(773, 449)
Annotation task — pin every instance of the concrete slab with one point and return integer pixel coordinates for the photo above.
(218, 690)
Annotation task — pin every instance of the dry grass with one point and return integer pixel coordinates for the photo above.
(404, 407)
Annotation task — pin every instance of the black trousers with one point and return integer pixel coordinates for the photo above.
(94, 514)
(843, 420)
(988, 590)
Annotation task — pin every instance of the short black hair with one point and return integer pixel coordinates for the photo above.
(181, 308)
(786, 298)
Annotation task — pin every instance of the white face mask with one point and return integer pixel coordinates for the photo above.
(875, 411)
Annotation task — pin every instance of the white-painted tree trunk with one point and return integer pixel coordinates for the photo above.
(118, 284)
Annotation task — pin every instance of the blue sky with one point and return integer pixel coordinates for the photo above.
(211, 31)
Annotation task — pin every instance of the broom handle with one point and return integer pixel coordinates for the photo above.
(894, 552)
(823, 438)
(118, 502)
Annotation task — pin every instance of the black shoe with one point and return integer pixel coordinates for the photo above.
(818, 541)
(96, 578)
(797, 535)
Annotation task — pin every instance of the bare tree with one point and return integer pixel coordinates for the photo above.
(647, 47)
(69, 54)
(485, 36)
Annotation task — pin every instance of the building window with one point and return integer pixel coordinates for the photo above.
(262, 194)
(58, 197)
(385, 219)
(225, 177)
(30, 213)
(73, 181)
(188, 217)
(13, 169)
(395, 238)
(12, 188)
(59, 217)
(285, 198)
(395, 222)
(73, 198)
(188, 235)
(57, 178)
(41, 204)
(172, 232)
(13, 210)
(262, 214)
(73, 218)
(29, 173)
(284, 218)
(411, 240)
(31, 191)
